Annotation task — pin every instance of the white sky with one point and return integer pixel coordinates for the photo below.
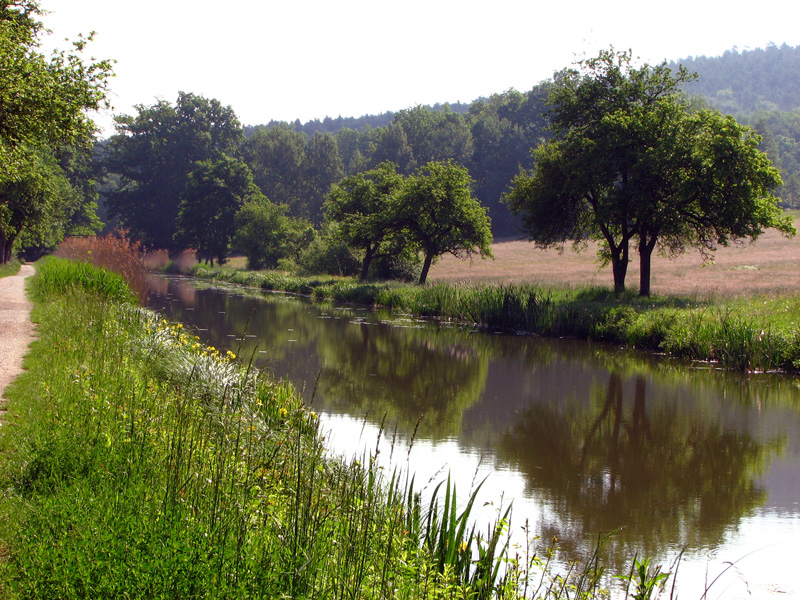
(314, 58)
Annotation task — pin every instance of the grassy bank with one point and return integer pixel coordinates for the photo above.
(11, 268)
(756, 333)
(138, 463)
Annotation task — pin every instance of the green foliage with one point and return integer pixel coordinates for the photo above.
(780, 133)
(647, 581)
(57, 276)
(329, 254)
(266, 235)
(363, 208)
(214, 193)
(630, 161)
(42, 110)
(383, 214)
(10, 268)
(41, 205)
(275, 156)
(743, 82)
(153, 154)
(436, 211)
(44, 99)
(322, 167)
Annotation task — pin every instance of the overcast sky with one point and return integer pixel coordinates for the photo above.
(306, 59)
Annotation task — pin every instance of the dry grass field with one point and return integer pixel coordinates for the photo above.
(771, 265)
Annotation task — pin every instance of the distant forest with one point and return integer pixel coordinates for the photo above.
(760, 87)
(295, 164)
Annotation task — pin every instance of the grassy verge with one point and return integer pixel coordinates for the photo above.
(752, 333)
(11, 268)
(138, 463)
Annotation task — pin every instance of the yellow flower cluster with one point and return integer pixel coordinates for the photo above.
(190, 342)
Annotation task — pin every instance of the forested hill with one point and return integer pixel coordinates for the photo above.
(333, 126)
(740, 83)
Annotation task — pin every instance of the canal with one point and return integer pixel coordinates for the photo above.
(582, 439)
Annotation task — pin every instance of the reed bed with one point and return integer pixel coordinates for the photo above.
(138, 463)
(746, 334)
(114, 252)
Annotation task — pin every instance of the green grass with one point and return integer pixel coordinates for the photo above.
(57, 276)
(749, 333)
(11, 268)
(138, 463)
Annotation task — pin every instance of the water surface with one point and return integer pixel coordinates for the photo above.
(583, 438)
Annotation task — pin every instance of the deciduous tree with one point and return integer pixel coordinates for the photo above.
(630, 161)
(436, 210)
(153, 154)
(363, 205)
(214, 193)
(43, 107)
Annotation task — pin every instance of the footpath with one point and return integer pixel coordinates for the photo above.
(16, 329)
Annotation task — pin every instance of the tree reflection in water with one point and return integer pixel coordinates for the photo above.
(602, 439)
(683, 480)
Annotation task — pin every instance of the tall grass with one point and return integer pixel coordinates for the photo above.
(139, 463)
(56, 276)
(115, 252)
(740, 334)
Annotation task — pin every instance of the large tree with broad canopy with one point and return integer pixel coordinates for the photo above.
(631, 162)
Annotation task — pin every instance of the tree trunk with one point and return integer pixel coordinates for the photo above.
(6, 244)
(619, 264)
(366, 263)
(426, 266)
(646, 246)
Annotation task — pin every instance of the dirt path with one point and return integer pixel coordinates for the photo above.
(16, 329)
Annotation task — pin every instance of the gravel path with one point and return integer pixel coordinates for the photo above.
(16, 329)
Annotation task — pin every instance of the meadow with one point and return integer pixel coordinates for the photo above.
(769, 266)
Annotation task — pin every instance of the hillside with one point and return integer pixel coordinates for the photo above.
(741, 83)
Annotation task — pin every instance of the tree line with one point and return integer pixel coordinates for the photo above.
(761, 88)
(603, 151)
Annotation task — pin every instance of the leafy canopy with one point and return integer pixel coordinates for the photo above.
(630, 162)
(214, 193)
(43, 108)
(363, 205)
(437, 211)
(153, 154)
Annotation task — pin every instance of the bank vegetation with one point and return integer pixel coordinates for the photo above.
(746, 333)
(139, 463)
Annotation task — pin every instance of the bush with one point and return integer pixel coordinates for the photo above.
(266, 235)
(330, 256)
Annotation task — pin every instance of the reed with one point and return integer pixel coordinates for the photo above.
(58, 276)
(746, 334)
(115, 252)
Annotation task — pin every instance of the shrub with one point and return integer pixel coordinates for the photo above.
(328, 255)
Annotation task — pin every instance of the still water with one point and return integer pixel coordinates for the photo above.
(582, 438)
